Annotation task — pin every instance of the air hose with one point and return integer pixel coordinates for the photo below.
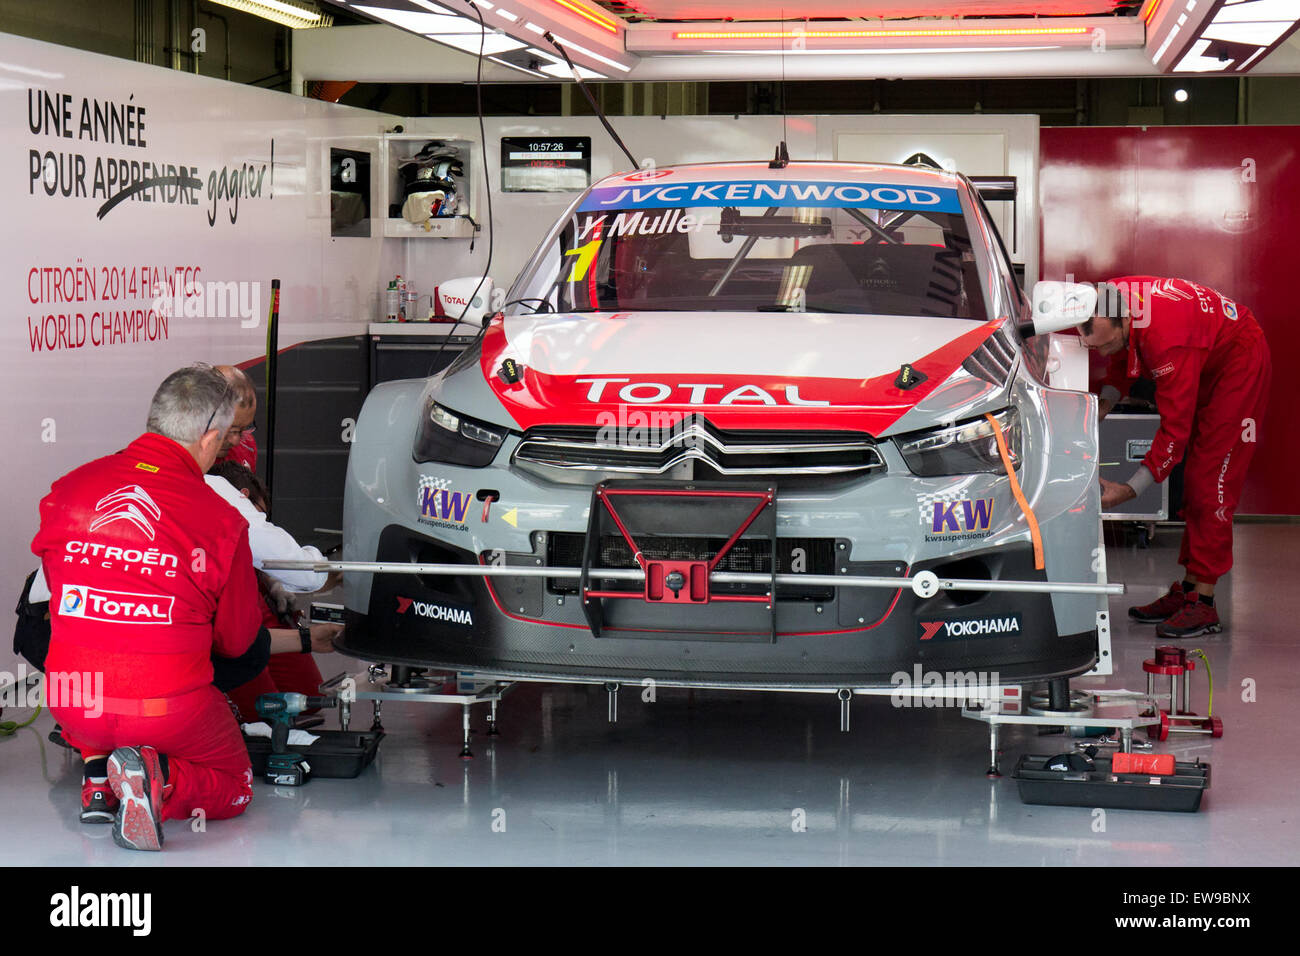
(1209, 676)
(10, 727)
(1034, 534)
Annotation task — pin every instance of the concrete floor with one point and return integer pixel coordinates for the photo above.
(717, 777)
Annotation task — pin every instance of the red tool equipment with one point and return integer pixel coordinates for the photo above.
(1175, 662)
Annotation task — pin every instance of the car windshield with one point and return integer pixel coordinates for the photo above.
(777, 246)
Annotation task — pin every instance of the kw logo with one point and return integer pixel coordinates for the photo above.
(129, 503)
(962, 517)
(444, 506)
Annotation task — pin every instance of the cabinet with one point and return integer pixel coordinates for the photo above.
(401, 350)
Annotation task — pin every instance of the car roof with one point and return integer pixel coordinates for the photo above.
(808, 170)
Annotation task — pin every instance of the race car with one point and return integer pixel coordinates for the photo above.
(723, 424)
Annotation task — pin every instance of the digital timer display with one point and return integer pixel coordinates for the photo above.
(545, 164)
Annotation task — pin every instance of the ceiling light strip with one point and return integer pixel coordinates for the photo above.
(570, 45)
(589, 15)
(868, 34)
(285, 14)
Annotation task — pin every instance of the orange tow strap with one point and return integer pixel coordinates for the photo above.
(1034, 534)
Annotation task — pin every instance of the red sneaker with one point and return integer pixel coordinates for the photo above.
(98, 802)
(1192, 620)
(1162, 608)
(136, 777)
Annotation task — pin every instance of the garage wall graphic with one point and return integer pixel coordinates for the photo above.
(147, 211)
(1213, 204)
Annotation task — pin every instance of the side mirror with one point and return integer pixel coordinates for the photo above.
(1060, 305)
(467, 299)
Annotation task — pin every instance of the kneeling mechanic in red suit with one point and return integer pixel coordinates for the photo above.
(150, 574)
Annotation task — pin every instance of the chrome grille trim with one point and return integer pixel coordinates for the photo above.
(731, 454)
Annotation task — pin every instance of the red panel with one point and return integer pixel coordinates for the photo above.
(1214, 204)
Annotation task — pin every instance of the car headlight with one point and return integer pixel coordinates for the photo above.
(455, 439)
(962, 449)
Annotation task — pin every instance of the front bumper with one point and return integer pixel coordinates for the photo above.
(890, 523)
(856, 637)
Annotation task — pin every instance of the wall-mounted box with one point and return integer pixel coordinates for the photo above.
(403, 149)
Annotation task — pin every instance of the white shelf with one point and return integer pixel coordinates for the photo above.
(449, 227)
(400, 147)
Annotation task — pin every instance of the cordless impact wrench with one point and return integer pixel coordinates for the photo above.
(284, 767)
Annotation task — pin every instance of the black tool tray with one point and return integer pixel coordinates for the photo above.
(338, 753)
(1180, 791)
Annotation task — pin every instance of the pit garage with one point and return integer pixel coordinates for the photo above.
(656, 433)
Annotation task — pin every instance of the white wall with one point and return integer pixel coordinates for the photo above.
(80, 400)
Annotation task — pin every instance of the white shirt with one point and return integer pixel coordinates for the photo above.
(269, 542)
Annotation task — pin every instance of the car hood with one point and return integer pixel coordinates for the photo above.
(739, 370)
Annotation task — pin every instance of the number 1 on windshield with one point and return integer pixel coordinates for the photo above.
(586, 255)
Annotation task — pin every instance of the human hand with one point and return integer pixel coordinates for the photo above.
(1114, 494)
(322, 637)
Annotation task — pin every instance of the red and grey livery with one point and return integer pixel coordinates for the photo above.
(714, 405)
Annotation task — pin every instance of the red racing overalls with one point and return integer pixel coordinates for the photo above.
(1212, 370)
(150, 574)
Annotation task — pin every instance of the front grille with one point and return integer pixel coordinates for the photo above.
(694, 443)
(748, 555)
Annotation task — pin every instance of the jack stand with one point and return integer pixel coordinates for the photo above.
(419, 687)
(466, 753)
(845, 695)
(493, 730)
(1173, 662)
(611, 688)
(993, 772)
(1117, 709)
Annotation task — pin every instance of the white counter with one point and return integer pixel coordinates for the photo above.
(433, 330)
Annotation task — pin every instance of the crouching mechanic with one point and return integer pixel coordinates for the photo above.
(238, 443)
(150, 573)
(1212, 370)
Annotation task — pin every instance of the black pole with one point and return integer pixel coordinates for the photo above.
(272, 354)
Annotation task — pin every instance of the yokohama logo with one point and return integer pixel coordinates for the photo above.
(979, 627)
(438, 612)
(115, 607)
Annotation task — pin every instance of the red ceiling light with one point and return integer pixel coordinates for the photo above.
(868, 34)
(589, 15)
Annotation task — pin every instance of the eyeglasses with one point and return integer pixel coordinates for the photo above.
(245, 430)
(221, 401)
